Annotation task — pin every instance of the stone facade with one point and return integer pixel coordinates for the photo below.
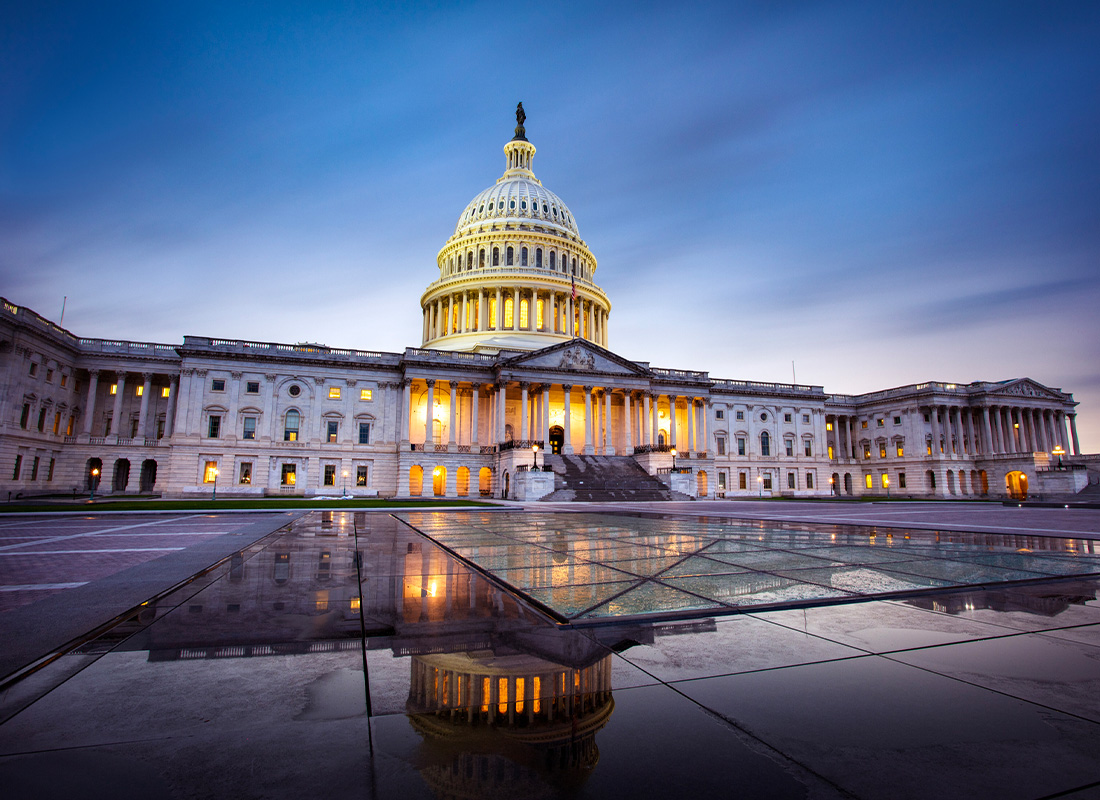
(514, 355)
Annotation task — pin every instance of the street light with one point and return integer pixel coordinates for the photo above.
(214, 472)
(535, 448)
(94, 481)
(832, 487)
(1059, 451)
(886, 483)
(673, 459)
(345, 483)
(760, 485)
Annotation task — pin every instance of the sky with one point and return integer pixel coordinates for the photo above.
(882, 193)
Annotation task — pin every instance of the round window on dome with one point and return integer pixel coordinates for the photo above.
(501, 206)
(512, 204)
(554, 211)
(544, 208)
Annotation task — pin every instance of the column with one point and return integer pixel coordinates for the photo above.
(608, 442)
(406, 423)
(89, 410)
(116, 413)
(567, 445)
(704, 418)
(673, 439)
(143, 412)
(591, 322)
(936, 432)
(454, 408)
(1037, 426)
(589, 447)
(968, 433)
(170, 411)
(1073, 433)
(691, 437)
(627, 436)
(475, 401)
(429, 412)
(463, 325)
(498, 315)
(438, 317)
(502, 411)
(1008, 438)
(654, 426)
(515, 309)
(987, 432)
(524, 412)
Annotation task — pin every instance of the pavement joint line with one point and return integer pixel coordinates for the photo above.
(39, 587)
(81, 552)
(93, 533)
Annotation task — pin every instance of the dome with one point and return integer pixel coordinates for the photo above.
(517, 200)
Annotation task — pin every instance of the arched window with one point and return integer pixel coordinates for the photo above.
(574, 266)
(460, 260)
(765, 444)
(553, 264)
(481, 259)
(508, 312)
(509, 256)
(538, 257)
(290, 427)
(470, 260)
(524, 312)
(496, 256)
(523, 257)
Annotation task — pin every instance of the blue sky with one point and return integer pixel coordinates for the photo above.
(885, 193)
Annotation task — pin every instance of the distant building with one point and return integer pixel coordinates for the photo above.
(514, 354)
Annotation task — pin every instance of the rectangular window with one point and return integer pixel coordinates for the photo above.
(160, 428)
(901, 480)
(114, 388)
(882, 450)
(34, 469)
(56, 423)
(538, 315)
(740, 415)
(866, 451)
(290, 476)
(107, 427)
(214, 427)
(34, 369)
(828, 426)
(863, 424)
(880, 422)
(41, 420)
(252, 387)
(928, 448)
(870, 481)
(139, 391)
(885, 480)
(790, 480)
(330, 474)
(64, 380)
(245, 475)
(249, 428)
(786, 417)
(721, 481)
(133, 428)
(210, 472)
(740, 445)
(927, 418)
(720, 443)
(49, 472)
(366, 395)
(900, 448)
(831, 452)
(332, 428)
(897, 420)
(805, 419)
(164, 391)
(18, 465)
(743, 480)
(49, 376)
(767, 482)
(24, 416)
(217, 385)
(789, 446)
(334, 393)
(719, 413)
(364, 433)
(361, 476)
(809, 480)
(808, 447)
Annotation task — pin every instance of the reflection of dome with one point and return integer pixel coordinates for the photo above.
(507, 274)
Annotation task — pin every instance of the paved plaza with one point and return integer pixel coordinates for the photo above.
(470, 653)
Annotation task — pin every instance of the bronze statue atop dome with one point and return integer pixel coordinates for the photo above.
(521, 134)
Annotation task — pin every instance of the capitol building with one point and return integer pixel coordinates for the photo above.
(514, 391)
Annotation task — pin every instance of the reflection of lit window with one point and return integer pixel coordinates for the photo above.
(502, 699)
(282, 568)
(536, 701)
(353, 604)
(484, 695)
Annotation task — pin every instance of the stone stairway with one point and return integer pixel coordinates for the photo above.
(604, 479)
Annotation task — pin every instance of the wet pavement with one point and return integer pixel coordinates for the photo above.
(348, 655)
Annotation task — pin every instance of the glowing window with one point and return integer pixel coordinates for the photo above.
(900, 448)
(290, 428)
(366, 394)
(114, 388)
(828, 426)
(870, 481)
(139, 391)
(492, 313)
(538, 316)
(524, 313)
(210, 472)
(508, 313)
(334, 393)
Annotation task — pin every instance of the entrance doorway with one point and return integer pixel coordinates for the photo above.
(1016, 484)
(148, 474)
(557, 439)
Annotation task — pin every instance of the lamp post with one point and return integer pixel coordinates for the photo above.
(93, 482)
(832, 487)
(760, 485)
(673, 459)
(886, 483)
(214, 472)
(345, 483)
(1059, 451)
(535, 451)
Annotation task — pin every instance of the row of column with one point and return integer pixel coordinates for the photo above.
(590, 319)
(120, 393)
(640, 415)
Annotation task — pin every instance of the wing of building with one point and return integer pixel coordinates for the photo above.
(513, 392)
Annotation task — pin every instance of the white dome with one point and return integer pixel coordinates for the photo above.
(517, 200)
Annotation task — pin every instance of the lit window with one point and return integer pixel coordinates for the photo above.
(361, 476)
(882, 450)
(364, 433)
(828, 426)
(330, 474)
(139, 391)
(114, 388)
(210, 472)
(508, 316)
(885, 480)
(164, 391)
(830, 452)
(290, 428)
(524, 311)
(289, 474)
(900, 449)
(366, 395)
(866, 451)
(246, 473)
(252, 387)
(217, 385)
(56, 423)
(249, 428)
(64, 381)
(334, 393)
(331, 430)
(538, 316)
(863, 424)
(880, 422)
(870, 481)
(492, 313)
(214, 426)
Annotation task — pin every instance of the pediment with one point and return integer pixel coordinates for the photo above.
(577, 356)
(1026, 387)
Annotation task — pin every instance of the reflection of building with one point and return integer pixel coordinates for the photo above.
(1045, 600)
(514, 353)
